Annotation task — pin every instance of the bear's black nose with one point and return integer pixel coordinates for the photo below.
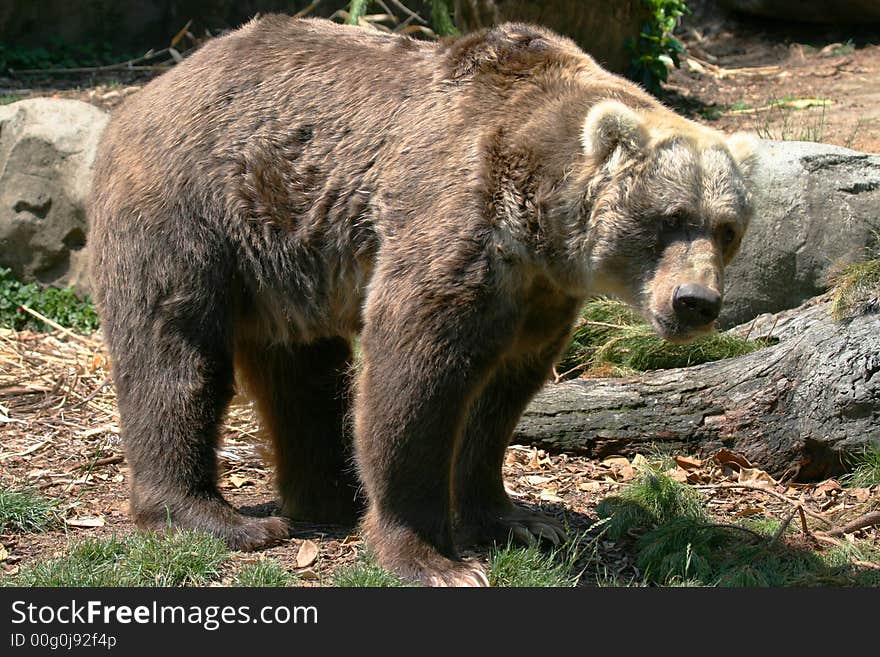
(695, 305)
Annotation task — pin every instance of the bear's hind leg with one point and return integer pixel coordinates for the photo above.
(302, 394)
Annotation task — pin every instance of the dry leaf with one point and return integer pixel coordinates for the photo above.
(238, 482)
(590, 486)
(640, 461)
(85, 521)
(755, 476)
(677, 474)
(308, 575)
(726, 457)
(307, 554)
(616, 462)
(827, 487)
(351, 539)
(3, 552)
(861, 494)
(749, 511)
(688, 463)
(537, 480)
(549, 495)
(533, 460)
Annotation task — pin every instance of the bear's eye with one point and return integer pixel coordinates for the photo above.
(728, 236)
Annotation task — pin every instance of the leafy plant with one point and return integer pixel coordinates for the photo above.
(60, 305)
(656, 49)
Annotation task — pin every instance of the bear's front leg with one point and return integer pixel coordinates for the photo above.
(427, 353)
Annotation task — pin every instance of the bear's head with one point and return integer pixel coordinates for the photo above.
(668, 205)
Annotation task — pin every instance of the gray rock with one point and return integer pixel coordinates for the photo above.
(817, 206)
(854, 12)
(46, 151)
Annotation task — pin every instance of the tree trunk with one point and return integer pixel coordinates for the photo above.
(798, 408)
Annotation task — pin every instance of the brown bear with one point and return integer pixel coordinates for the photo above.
(297, 182)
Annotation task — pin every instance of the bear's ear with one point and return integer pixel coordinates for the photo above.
(743, 146)
(609, 125)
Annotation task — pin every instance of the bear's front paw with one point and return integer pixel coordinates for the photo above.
(519, 524)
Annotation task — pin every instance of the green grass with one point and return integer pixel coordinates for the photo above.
(782, 123)
(847, 48)
(268, 573)
(676, 543)
(865, 468)
(856, 289)
(6, 99)
(60, 305)
(652, 500)
(179, 559)
(365, 572)
(611, 339)
(23, 511)
(515, 566)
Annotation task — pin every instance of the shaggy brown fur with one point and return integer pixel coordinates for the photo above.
(298, 182)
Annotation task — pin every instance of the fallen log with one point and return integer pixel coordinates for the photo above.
(797, 409)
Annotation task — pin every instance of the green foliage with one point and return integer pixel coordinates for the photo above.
(865, 468)
(58, 54)
(60, 305)
(650, 501)
(23, 511)
(6, 99)
(441, 15)
(514, 566)
(656, 48)
(441, 18)
(676, 543)
(356, 10)
(150, 559)
(264, 573)
(365, 572)
(611, 339)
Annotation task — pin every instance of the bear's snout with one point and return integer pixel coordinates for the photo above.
(695, 305)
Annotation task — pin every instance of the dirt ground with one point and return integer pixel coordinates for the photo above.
(59, 426)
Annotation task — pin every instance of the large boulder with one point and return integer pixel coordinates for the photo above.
(46, 151)
(816, 207)
(853, 12)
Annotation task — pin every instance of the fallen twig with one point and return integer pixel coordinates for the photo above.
(55, 325)
(769, 491)
(784, 525)
(861, 522)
